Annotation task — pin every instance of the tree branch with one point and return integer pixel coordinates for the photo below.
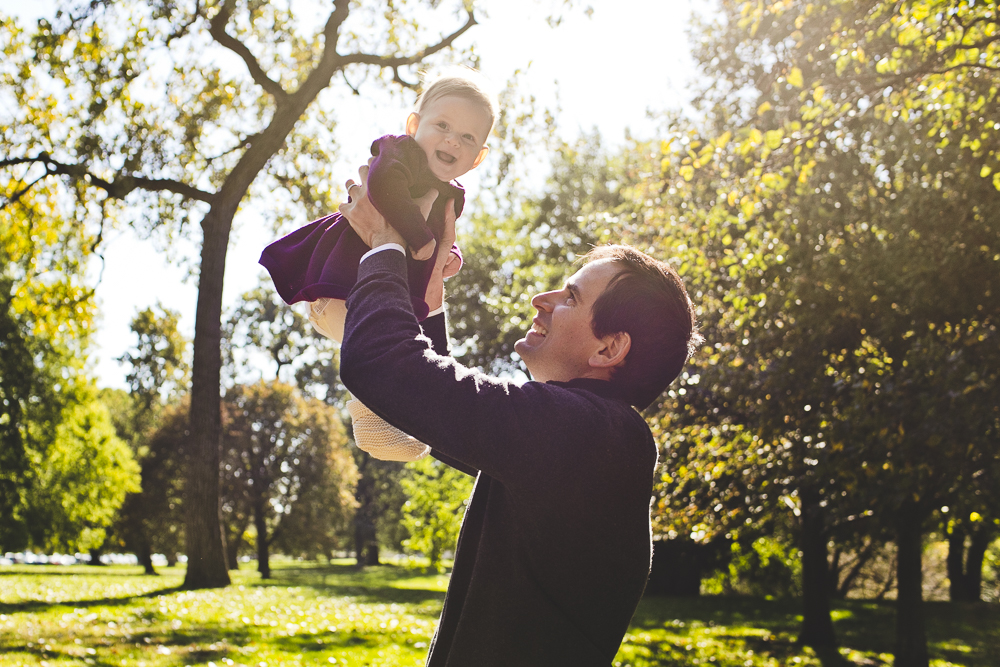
(396, 62)
(398, 79)
(183, 28)
(354, 90)
(118, 188)
(217, 28)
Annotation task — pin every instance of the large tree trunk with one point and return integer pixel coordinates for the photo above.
(817, 625)
(206, 552)
(911, 632)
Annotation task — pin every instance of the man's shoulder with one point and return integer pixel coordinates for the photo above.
(589, 404)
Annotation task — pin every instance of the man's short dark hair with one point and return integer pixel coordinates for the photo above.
(647, 300)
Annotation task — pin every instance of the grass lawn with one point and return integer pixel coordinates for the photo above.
(331, 614)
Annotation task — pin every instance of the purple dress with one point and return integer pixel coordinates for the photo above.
(321, 259)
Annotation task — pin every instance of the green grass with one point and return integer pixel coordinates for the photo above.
(331, 614)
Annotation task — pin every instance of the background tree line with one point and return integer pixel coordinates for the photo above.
(832, 206)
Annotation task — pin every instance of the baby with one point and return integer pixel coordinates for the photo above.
(318, 263)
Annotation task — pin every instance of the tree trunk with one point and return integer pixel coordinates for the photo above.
(366, 549)
(206, 551)
(260, 523)
(817, 625)
(144, 554)
(974, 564)
(365, 540)
(233, 550)
(955, 562)
(911, 633)
(234, 542)
(95, 555)
(833, 576)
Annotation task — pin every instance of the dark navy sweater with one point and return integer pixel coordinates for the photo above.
(555, 545)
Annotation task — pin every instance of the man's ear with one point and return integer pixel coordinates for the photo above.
(412, 123)
(479, 158)
(613, 351)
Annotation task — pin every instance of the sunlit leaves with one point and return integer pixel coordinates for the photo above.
(436, 498)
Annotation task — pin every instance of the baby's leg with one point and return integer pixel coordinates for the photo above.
(371, 433)
(327, 317)
(381, 439)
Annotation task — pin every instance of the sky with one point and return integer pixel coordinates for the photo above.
(609, 69)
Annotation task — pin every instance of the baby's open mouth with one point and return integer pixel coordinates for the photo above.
(444, 157)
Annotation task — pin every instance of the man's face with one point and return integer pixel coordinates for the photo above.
(452, 131)
(561, 343)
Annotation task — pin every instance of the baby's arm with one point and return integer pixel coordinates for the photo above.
(389, 179)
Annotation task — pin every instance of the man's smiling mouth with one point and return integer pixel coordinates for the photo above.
(539, 329)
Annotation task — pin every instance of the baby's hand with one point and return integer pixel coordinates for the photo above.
(452, 265)
(424, 253)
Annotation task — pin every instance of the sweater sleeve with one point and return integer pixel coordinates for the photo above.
(516, 434)
(436, 329)
(389, 180)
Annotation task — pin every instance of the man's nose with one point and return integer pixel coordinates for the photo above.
(542, 301)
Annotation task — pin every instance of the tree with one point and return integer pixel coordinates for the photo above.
(147, 419)
(829, 180)
(82, 479)
(196, 153)
(435, 504)
(46, 315)
(283, 450)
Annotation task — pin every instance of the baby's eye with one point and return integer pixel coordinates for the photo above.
(443, 125)
(469, 138)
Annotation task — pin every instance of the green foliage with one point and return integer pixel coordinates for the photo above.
(843, 252)
(436, 499)
(46, 316)
(764, 567)
(159, 370)
(991, 573)
(527, 248)
(91, 106)
(264, 329)
(286, 464)
(81, 480)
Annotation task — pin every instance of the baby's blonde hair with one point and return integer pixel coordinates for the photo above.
(463, 82)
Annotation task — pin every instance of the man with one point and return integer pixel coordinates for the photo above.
(555, 545)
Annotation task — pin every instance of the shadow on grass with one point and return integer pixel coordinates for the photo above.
(38, 606)
(43, 656)
(964, 634)
(368, 585)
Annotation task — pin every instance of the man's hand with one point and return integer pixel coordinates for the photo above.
(365, 218)
(445, 262)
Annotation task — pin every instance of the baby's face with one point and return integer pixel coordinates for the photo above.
(452, 131)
